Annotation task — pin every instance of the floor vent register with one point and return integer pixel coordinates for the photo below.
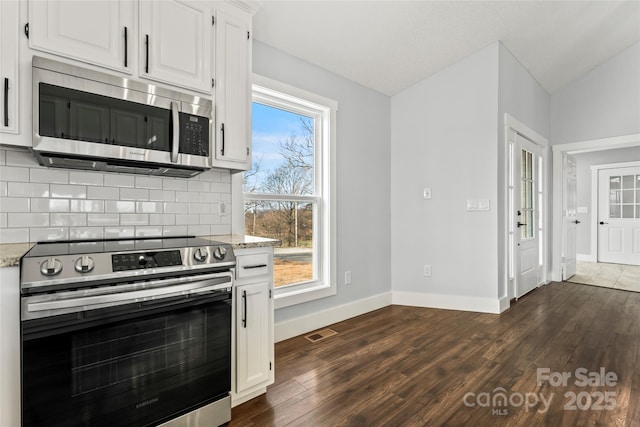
(320, 335)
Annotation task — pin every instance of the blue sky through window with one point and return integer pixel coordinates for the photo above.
(269, 126)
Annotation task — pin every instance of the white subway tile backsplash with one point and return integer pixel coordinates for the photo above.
(52, 176)
(187, 219)
(117, 180)
(68, 219)
(199, 208)
(103, 219)
(175, 208)
(134, 194)
(86, 233)
(19, 220)
(13, 173)
(174, 184)
(44, 234)
(27, 189)
(220, 187)
(105, 193)
(198, 185)
(148, 182)
(147, 231)
(149, 207)
(20, 158)
(86, 178)
(162, 195)
(162, 219)
(38, 203)
(87, 205)
(187, 196)
(199, 230)
(118, 232)
(63, 191)
(49, 205)
(134, 219)
(14, 204)
(120, 206)
(221, 229)
(14, 235)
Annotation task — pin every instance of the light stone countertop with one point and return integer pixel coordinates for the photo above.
(10, 253)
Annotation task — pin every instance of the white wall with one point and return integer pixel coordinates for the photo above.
(584, 161)
(604, 103)
(363, 177)
(444, 135)
(522, 97)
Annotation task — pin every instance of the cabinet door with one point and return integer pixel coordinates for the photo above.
(175, 43)
(9, 34)
(97, 32)
(233, 90)
(252, 335)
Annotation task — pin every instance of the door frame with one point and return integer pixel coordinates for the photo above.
(602, 144)
(512, 125)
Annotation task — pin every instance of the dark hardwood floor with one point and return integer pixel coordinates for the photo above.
(407, 366)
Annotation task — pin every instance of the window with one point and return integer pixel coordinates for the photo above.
(288, 192)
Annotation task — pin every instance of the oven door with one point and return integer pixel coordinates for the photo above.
(134, 364)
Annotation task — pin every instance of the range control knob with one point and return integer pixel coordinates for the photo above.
(200, 254)
(84, 264)
(51, 267)
(142, 260)
(220, 253)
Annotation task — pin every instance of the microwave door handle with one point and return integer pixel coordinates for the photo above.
(175, 140)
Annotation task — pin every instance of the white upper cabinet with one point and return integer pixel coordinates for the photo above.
(233, 90)
(9, 33)
(175, 43)
(96, 32)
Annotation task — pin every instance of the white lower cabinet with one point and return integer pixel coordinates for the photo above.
(254, 347)
(10, 347)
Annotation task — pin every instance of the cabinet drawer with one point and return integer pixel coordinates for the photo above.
(252, 265)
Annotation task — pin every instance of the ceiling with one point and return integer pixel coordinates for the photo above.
(391, 45)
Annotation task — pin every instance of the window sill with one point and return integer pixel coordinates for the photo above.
(286, 298)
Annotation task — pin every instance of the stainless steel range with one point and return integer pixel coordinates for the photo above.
(133, 332)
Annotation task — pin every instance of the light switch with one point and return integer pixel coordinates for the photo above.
(426, 193)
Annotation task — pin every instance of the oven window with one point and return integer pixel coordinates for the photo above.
(131, 371)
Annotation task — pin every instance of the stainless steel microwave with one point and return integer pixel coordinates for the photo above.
(84, 119)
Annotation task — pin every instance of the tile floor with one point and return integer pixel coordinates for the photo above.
(616, 276)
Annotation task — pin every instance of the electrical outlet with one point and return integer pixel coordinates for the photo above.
(427, 270)
(347, 277)
(222, 208)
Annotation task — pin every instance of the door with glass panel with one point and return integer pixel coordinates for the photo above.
(619, 215)
(527, 225)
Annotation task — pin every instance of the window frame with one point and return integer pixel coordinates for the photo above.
(283, 96)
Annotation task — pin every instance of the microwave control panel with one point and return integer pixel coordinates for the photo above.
(194, 135)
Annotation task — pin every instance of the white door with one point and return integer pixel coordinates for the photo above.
(96, 32)
(175, 43)
(9, 73)
(527, 201)
(569, 210)
(619, 215)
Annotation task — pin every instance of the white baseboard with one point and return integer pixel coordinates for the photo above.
(301, 325)
(451, 302)
(586, 257)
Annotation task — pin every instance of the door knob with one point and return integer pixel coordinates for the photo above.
(603, 223)
(576, 222)
(520, 224)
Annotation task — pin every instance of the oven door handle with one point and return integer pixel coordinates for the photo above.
(111, 299)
